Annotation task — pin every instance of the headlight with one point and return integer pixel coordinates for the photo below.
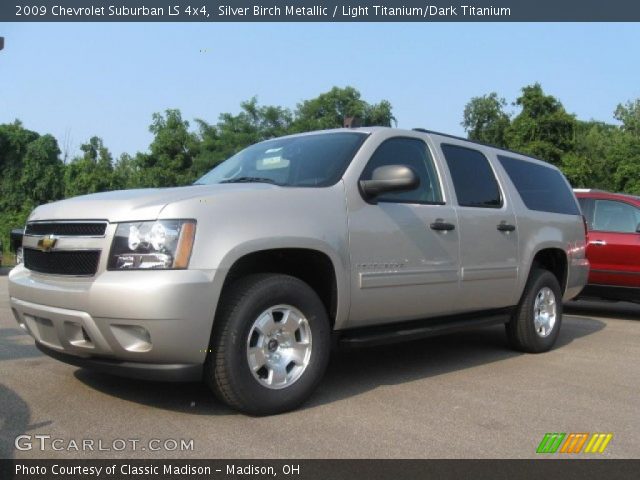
(164, 244)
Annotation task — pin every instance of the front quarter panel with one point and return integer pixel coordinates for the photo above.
(268, 217)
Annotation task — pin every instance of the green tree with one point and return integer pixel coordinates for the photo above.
(625, 152)
(14, 143)
(30, 174)
(379, 114)
(328, 110)
(42, 170)
(542, 128)
(589, 163)
(90, 173)
(625, 157)
(126, 173)
(485, 119)
(629, 115)
(171, 152)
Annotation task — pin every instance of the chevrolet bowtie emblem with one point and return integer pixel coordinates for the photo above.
(47, 243)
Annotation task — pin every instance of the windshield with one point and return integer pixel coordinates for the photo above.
(305, 161)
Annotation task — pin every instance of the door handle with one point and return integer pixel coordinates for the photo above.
(600, 243)
(441, 226)
(505, 227)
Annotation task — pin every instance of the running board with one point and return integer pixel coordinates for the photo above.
(406, 331)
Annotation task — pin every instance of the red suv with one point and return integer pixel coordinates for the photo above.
(613, 249)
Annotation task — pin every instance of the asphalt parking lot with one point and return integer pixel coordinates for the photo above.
(461, 396)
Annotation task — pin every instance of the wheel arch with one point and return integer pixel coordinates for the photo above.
(312, 261)
(555, 260)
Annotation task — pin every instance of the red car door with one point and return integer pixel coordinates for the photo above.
(614, 244)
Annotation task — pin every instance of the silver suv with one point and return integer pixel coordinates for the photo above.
(368, 235)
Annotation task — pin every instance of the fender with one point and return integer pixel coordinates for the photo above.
(341, 265)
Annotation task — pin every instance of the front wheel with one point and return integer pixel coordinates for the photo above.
(535, 325)
(270, 345)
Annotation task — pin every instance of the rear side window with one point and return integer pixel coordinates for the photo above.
(473, 179)
(541, 188)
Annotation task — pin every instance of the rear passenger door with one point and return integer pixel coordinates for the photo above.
(488, 231)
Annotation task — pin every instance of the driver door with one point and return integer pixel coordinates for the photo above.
(404, 262)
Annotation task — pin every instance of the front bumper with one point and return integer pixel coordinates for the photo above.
(143, 371)
(144, 324)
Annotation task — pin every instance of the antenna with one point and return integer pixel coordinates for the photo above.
(352, 122)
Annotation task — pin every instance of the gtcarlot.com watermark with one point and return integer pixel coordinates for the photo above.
(41, 442)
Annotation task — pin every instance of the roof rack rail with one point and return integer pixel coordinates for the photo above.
(484, 144)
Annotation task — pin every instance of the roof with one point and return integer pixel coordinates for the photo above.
(477, 142)
(602, 194)
(373, 129)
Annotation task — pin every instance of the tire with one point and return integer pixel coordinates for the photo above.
(523, 332)
(261, 313)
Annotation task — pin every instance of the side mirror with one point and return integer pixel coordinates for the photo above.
(638, 228)
(390, 178)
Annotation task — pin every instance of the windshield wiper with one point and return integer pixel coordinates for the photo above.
(249, 180)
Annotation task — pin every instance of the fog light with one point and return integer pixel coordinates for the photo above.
(76, 335)
(132, 338)
(19, 320)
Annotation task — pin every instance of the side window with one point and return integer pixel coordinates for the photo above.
(612, 216)
(473, 179)
(540, 187)
(414, 154)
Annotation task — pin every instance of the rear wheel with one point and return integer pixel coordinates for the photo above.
(535, 325)
(270, 345)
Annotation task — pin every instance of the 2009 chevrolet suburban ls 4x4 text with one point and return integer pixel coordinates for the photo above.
(369, 234)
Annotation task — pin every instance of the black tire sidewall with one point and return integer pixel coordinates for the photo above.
(528, 338)
(264, 294)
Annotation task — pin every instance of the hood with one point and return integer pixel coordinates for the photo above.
(134, 205)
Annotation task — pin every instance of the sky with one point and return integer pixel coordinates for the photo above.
(76, 80)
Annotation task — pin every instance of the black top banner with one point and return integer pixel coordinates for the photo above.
(319, 11)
